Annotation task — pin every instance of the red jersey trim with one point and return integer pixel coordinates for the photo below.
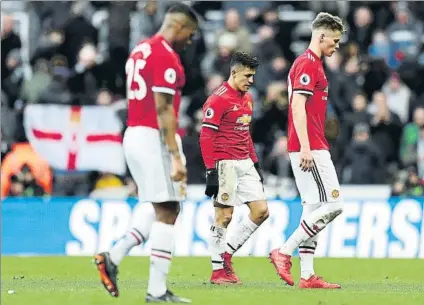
(163, 90)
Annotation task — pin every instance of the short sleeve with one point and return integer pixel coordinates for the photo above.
(213, 111)
(304, 78)
(165, 76)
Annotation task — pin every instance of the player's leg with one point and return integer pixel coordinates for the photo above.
(324, 179)
(308, 247)
(138, 234)
(136, 155)
(326, 213)
(166, 196)
(223, 206)
(249, 191)
(314, 187)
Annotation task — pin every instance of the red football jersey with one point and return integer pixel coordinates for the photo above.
(229, 112)
(307, 76)
(153, 66)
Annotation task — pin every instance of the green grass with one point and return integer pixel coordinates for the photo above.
(74, 281)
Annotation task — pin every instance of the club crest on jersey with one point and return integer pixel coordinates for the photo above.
(305, 79)
(225, 197)
(245, 119)
(209, 113)
(249, 103)
(335, 194)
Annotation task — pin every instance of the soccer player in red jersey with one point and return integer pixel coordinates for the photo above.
(313, 169)
(155, 77)
(233, 172)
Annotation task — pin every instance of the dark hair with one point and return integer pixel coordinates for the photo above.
(244, 59)
(328, 21)
(184, 9)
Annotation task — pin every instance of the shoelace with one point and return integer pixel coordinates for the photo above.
(228, 269)
(281, 264)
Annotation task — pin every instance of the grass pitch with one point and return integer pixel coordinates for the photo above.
(74, 281)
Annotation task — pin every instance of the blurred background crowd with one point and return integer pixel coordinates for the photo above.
(74, 53)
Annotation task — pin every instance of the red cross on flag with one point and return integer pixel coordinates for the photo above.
(75, 137)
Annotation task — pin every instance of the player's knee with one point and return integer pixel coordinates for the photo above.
(334, 210)
(167, 212)
(260, 212)
(223, 217)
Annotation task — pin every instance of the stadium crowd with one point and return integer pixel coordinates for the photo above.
(74, 53)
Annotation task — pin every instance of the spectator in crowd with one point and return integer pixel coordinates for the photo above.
(41, 79)
(30, 186)
(22, 155)
(9, 41)
(16, 187)
(358, 115)
(411, 135)
(87, 75)
(270, 71)
(273, 119)
(386, 128)
(380, 46)
(278, 161)
(12, 84)
(398, 97)
(239, 33)
(57, 92)
(191, 147)
(147, 20)
(49, 45)
(404, 34)
(227, 44)
(77, 32)
(409, 184)
(8, 124)
(362, 162)
(361, 32)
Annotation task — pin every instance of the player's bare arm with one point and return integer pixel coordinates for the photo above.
(168, 128)
(299, 120)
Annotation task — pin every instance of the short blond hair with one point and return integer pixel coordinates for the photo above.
(329, 22)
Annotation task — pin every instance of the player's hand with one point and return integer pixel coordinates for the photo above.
(212, 183)
(258, 169)
(179, 171)
(306, 160)
(183, 188)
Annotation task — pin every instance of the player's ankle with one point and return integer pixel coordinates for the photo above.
(285, 251)
(306, 275)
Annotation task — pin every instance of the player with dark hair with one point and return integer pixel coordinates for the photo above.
(313, 169)
(155, 77)
(232, 168)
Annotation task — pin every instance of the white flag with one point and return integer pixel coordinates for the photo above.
(76, 137)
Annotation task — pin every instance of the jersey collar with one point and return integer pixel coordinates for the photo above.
(164, 42)
(233, 91)
(313, 54)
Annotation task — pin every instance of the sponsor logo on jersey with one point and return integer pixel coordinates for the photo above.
(245, 119)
